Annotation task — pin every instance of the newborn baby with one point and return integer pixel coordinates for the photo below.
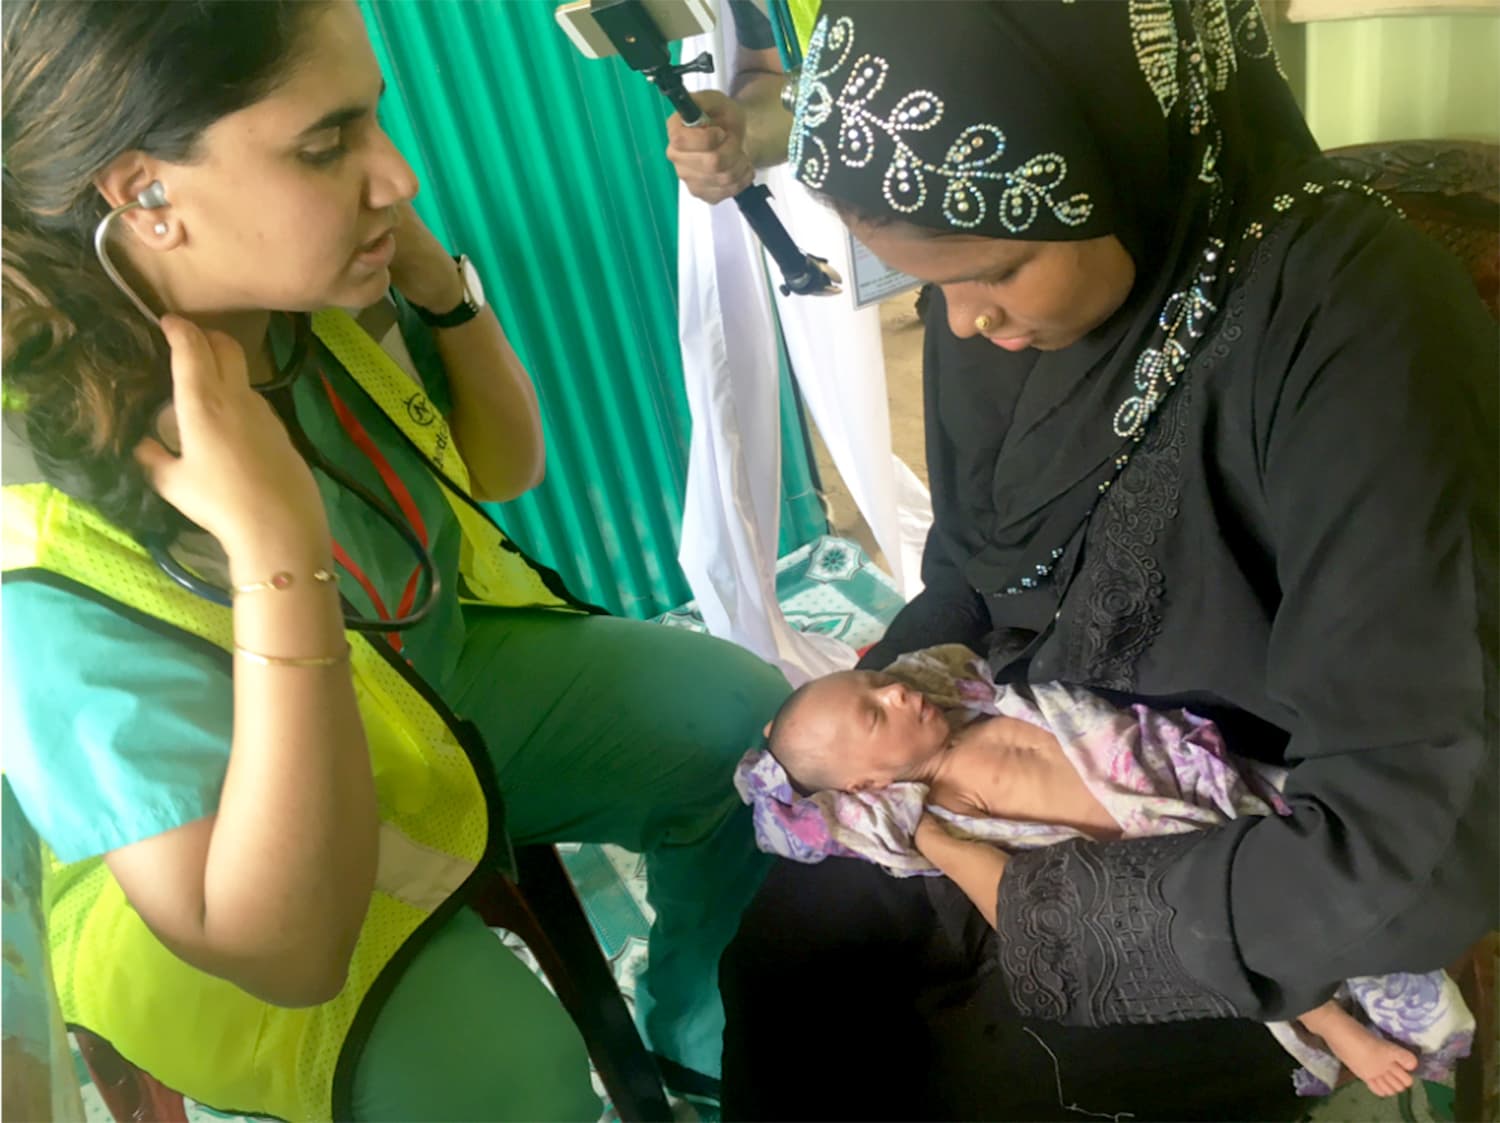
(857, 731)
(1027, 766)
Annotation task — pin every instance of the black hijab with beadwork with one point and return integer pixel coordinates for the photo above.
(1263, 489)
(1163, 124)
(1044, 120)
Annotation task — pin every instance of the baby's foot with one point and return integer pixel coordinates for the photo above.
(1384, 1066)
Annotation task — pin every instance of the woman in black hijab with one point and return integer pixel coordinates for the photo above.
(1206, 426)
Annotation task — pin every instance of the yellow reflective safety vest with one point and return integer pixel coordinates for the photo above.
(804, 18)
(441, 820)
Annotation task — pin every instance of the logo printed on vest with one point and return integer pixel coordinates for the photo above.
(419, 409)
(494, 568)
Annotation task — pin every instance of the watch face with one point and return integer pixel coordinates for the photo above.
(472, 283)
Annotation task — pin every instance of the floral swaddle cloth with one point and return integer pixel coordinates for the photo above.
(1155, 772)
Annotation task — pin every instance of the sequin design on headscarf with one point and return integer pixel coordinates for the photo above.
(1196, 65)
(968, 169)
(1220, 34)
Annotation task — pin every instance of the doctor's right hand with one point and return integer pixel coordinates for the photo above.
(237, 474)
(710, 158)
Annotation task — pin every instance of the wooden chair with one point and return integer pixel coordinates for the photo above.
(1450, 189)
(1476, 1081)
(542, 908)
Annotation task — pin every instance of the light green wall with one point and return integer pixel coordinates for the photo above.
(1403, 77)
(547, 169)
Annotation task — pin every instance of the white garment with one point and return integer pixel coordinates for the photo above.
(730, 364)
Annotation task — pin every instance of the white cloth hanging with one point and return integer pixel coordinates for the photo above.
(839, 361)
(728, 335)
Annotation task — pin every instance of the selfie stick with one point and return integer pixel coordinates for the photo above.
(640, 43)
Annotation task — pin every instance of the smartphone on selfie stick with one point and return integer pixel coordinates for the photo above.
(639, 31)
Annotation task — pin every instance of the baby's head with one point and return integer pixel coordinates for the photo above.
(856, 731)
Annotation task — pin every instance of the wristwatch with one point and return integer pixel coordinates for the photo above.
(467, 308)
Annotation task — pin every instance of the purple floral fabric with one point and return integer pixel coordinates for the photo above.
(1426, 1013)
(1155, 772)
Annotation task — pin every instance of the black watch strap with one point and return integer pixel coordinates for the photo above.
(462, 313)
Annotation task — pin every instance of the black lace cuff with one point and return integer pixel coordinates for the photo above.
(1085, 935)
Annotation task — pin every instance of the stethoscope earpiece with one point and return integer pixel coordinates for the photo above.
(153, 197)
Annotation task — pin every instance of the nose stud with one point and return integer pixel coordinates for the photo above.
(982, 324)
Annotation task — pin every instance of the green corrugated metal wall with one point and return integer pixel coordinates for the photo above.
(547, 169)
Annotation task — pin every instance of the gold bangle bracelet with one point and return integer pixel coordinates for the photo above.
(293, 661)
(283, 579)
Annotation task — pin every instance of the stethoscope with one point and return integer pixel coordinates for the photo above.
(153, 198)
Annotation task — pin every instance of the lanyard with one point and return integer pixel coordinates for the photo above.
(399, 492)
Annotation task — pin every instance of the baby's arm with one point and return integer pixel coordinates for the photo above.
(975, 867)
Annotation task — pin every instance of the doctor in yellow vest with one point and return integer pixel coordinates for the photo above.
(261, 819)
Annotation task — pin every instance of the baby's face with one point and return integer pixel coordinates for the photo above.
(879, 729)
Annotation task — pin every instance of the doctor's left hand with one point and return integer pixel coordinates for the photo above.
(423, 270)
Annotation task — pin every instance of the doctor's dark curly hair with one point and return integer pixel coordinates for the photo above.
(84, 83)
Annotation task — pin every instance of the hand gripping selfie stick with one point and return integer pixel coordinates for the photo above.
(635, 35)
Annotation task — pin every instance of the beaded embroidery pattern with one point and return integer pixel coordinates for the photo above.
(1173, 65)
(1201, 63)
(968, 170)
(1224, 30)
(1177, 68)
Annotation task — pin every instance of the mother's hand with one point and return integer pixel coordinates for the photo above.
(975, 867)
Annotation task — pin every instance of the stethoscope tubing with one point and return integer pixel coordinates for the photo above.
(158, 548)
(101, 251)
(352, 622)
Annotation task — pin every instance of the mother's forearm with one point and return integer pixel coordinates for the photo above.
(768, 124)
(1085, 937)
(975, 867)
